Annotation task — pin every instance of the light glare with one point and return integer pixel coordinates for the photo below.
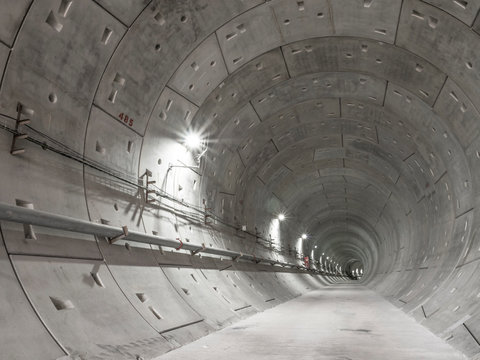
(193, 141)
(304, 236)
(281, 217)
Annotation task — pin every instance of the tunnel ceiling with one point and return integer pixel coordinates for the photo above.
(358, 120)
(349, 117)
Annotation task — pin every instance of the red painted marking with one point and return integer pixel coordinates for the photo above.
(126, 119)
(181, 244)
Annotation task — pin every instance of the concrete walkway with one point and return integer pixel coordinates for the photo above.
(346, 322)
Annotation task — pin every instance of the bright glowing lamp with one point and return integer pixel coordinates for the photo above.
(281, 217)
(304, 236)
(193, 141)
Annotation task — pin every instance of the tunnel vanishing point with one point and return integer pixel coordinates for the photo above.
(170, 168)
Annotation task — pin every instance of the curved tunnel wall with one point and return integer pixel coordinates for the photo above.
(356, 119)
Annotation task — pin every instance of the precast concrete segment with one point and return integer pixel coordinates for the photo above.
(338, 322)
(357, 119)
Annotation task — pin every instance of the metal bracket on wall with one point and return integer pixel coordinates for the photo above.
(148, 192)
(207, 216)
(195, 252)
(237, 258)
(258, 236)
(34, 217)
(119, 237)
(14, 150)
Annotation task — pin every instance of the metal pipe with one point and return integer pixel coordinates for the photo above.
(54, 221)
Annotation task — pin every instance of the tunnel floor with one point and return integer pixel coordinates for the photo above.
(341, 322)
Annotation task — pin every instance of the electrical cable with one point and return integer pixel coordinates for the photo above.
(63, 150)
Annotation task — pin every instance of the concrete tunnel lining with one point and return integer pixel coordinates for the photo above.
(358, 120)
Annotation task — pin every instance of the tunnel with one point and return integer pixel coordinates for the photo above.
(176, 174)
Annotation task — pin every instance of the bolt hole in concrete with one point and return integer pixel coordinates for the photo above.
(357, 330)
(370, 181)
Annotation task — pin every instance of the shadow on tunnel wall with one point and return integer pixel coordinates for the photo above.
(357, 120)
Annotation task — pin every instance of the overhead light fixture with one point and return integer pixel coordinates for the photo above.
(304, 236)
(281, 217)
(316, 246)
(193, 141)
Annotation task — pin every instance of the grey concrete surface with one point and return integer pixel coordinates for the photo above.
(339, 322)
(358, 120)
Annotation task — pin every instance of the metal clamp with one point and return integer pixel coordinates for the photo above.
(255, 260)
(195, 252)
(236, 258)
(119, 237)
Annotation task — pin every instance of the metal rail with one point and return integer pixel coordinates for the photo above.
(54, 221)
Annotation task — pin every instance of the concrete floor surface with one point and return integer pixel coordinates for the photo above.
(342, 322)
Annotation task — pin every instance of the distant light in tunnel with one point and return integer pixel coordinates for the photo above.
(304, 236)
(193, 141)
(316, 246)
(281, 217)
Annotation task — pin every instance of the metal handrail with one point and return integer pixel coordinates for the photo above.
(54, 221)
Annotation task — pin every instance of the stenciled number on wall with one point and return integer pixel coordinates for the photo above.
(126, 119)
